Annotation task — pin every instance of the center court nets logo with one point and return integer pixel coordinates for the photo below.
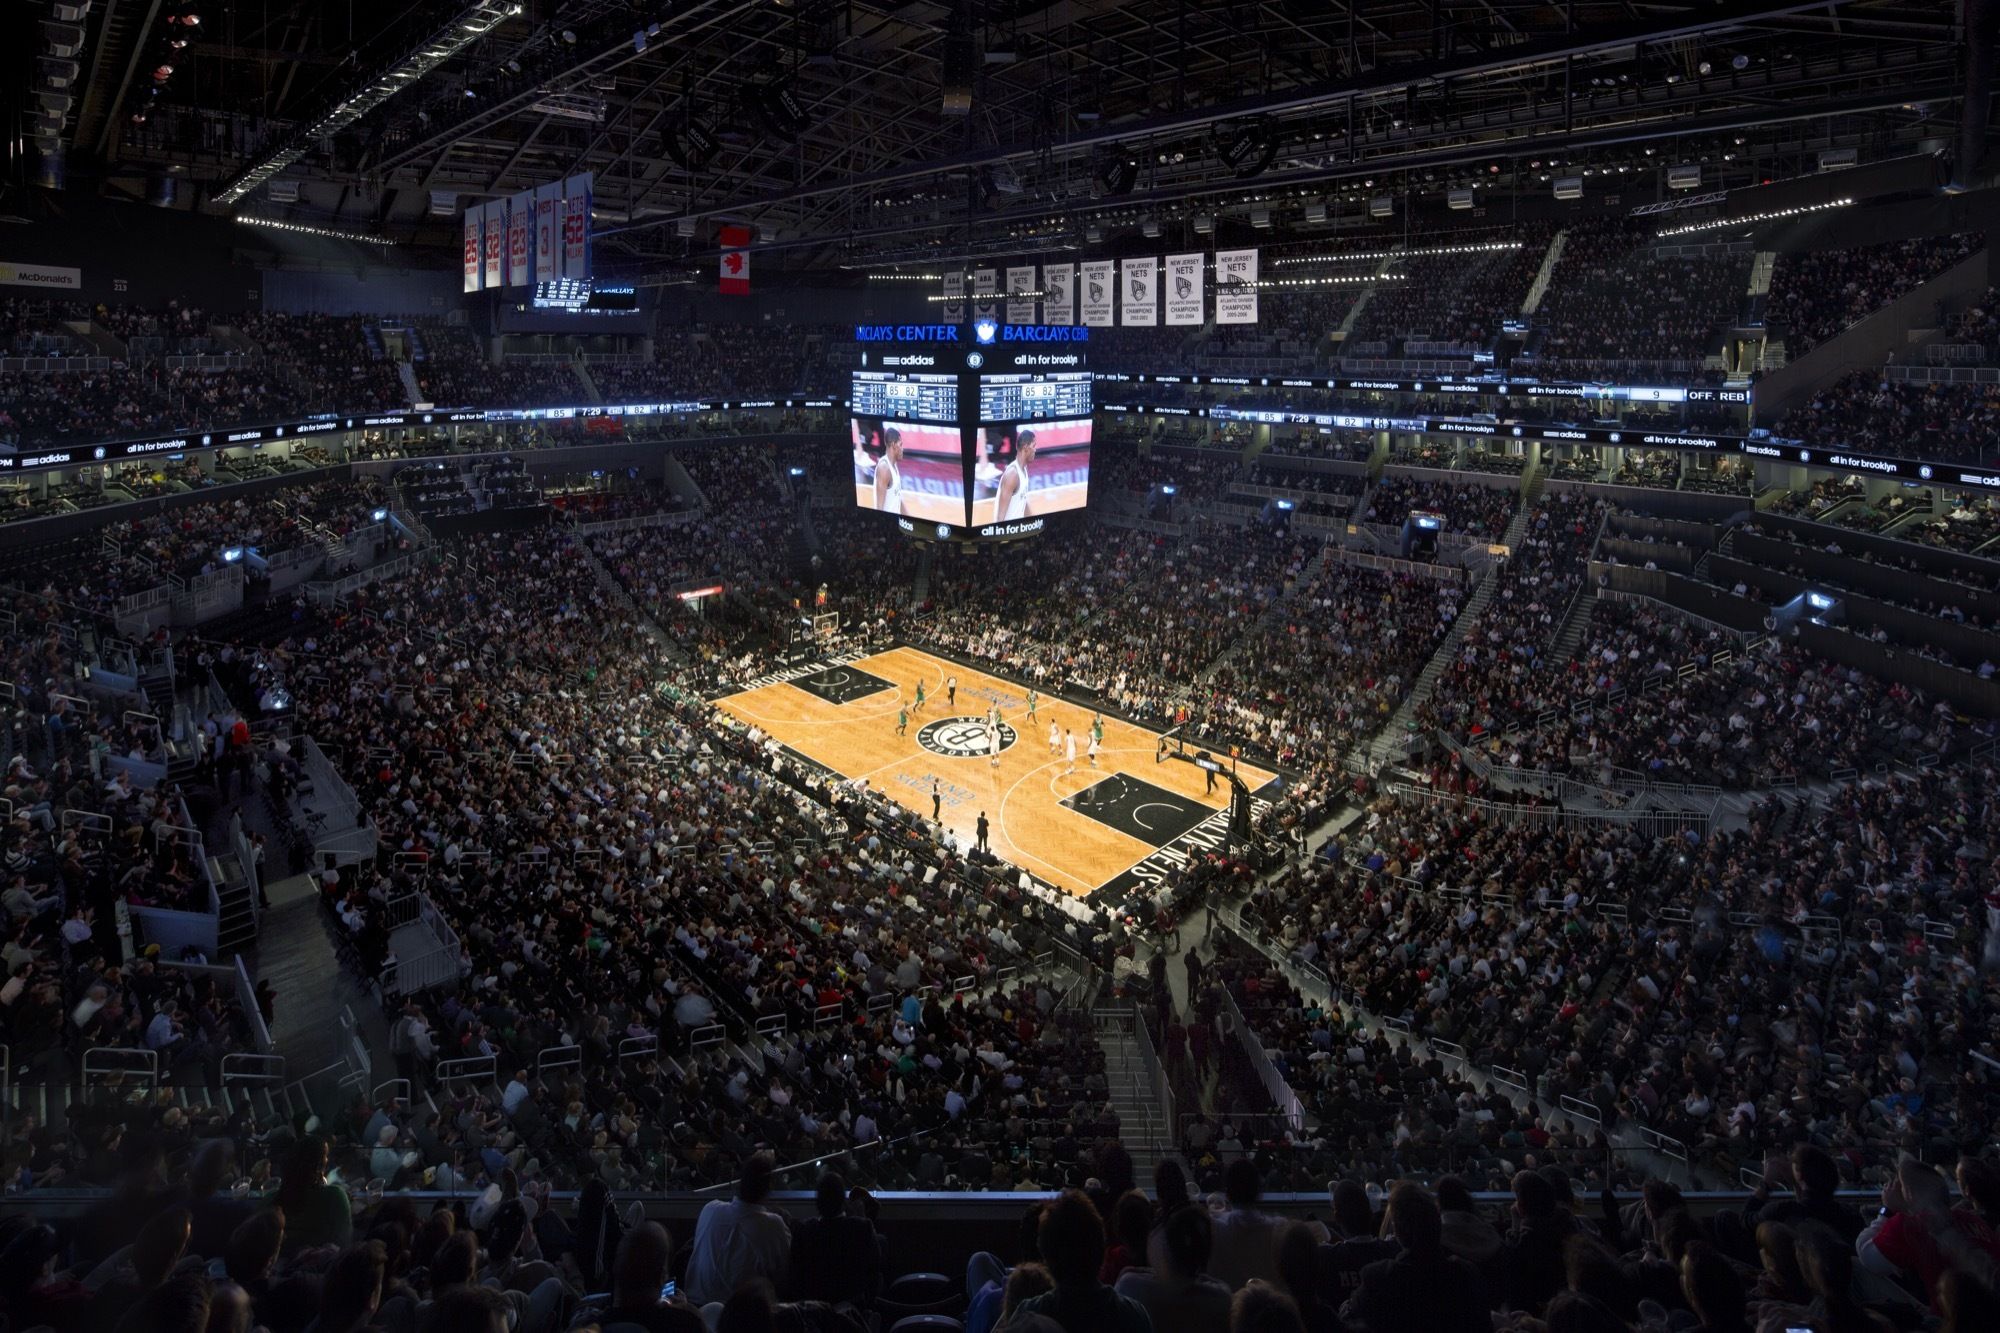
(964, 737)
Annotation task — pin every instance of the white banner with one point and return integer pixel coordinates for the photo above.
(40, 275)
(496, 242)
(985, 284)
(548, 207)
(1100, 280)
(520, 217)
(1236, 286)
(1183, 286)
(1021, 279)
(1141, 294)
(576, 226)
(475, 228)
(1058, 293)
(954, 291)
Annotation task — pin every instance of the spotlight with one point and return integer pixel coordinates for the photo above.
(1739, 61)
(1705, 67)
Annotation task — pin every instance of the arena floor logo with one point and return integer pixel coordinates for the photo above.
(964, 737)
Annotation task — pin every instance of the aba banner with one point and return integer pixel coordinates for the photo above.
(985, 285)
(520, 217)
(548, 204)
(1020, 309)
(496, 242)
(1183, 288)
(1058, 293)
(1236, 286)
(954, 297)
(475, 224)
(1099, 280)
(1141, 294)
(735, 261)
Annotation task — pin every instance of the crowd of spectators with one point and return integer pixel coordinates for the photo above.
(1469, 509)
(1817, 293)
(1454, 299)
(329, 360)
(1952, 423)
(1616, 307)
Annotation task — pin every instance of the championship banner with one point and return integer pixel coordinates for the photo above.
(496, 241)
(1020, 279)
(1099, 280)
(985, 284)
(954, 294)
(520, 212)
(576, 226)
(735, 269)
(1141, 293)
(1183, 286)
(548, 199)
(1058, 293)
(475, 224)
(1236, 286)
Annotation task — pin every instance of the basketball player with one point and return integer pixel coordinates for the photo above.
(1093, 750)
(1014, 482)
(1069, 745)
(951, 691)
(1055, 739)
(1033, 699)
(920, 698)
(1097, 727)
(889, 473)
(903, 720)
(993, 745)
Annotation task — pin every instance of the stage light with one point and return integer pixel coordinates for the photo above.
(380, 514)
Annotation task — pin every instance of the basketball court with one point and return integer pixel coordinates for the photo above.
(1116, 826)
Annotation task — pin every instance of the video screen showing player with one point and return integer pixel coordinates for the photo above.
(1030, 470)
(912, 470)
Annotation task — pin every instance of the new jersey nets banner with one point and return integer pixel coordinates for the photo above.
(496, 241)
(1058, 293)
(1236, 286)
(954, 297)
(1020, 310)
(520, 213)
(475, 228)
(576, 226)
(1099, 281)
(1141, 294)
(548, 206)
(985, 285)
(1183, 288)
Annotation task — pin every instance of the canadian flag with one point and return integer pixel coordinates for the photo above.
(735, 261)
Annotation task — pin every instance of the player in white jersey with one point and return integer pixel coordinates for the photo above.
(1069, 744)
(993, 745)
(1055, 739)
(889, 473)
(1093, 751)
(1014, 482)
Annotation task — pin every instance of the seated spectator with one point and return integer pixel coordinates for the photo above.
(1245, 1244)
(638, 1279)
(835, 1257)
(1071, 1241)
(1423, 1289)
(1176, 1292)
(739, 1239)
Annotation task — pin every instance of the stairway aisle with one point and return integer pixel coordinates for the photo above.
(295, 952)
(1142, 1121)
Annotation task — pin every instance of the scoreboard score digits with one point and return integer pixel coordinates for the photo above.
(1032, 397)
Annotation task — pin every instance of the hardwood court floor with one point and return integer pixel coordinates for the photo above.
(844, 718)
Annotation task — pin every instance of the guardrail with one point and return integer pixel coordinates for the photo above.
(252, 1067)
(118, 1063)
(557, 1057)
(466, 1068)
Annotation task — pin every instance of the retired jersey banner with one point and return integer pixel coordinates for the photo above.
(1058, 293)
(576, 227)
(1100, 278)
(985, 285)
(1020, 279)
(954, 297)
(548, 202)
(496, 241)
(1183, 285)
(475, 228)
(1236, 286)
(520, 216)
(1141, 293)
(735, 270)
